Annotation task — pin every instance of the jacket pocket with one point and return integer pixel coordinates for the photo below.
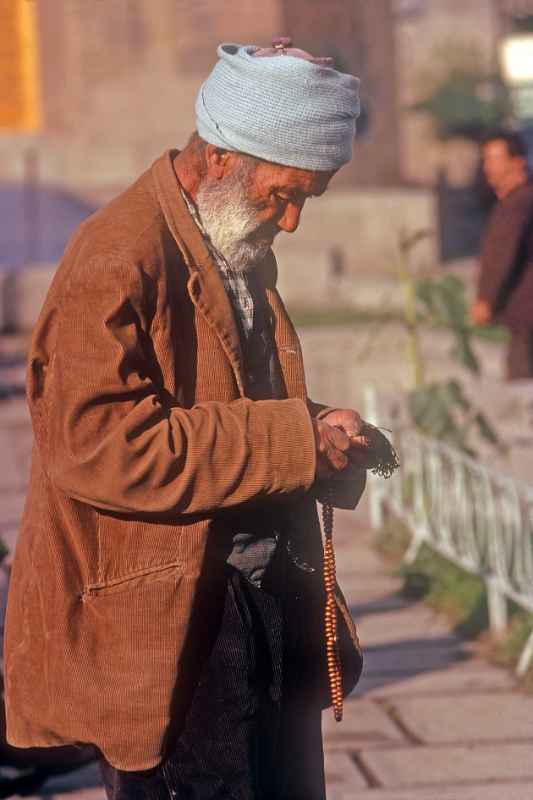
(134, 580)
(117, 681)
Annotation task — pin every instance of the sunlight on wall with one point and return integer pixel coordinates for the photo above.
(20, 107)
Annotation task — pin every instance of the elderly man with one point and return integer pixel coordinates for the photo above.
(166, 602)
(505, 291)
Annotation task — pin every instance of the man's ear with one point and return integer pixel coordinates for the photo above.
(219, 162)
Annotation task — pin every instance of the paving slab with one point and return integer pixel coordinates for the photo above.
(364, 606)
(476, 718)
(85, 779)
(341, 770)
(373, 682)
(81, 784)
(477, 791)
(364, 724)
(426, 766)
(405, 623)
(463, 679)
(356, 559)
(363, 589)
(412, 655)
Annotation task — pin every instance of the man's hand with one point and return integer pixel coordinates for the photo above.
(332, 446)
(352, 425)
(481, 312)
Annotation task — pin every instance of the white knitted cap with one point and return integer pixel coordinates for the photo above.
(283, 108)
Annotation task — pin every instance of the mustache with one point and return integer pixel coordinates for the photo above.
(265, 232)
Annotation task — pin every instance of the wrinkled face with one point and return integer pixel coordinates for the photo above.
(279, 193)
(244, 203)
(498, 165)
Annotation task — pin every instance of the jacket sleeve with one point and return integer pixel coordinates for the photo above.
(111, 437)
(502, 253)
(318, 410)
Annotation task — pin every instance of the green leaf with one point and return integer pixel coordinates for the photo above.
(452, 304)
(4, 550)
(459, 109)
(431, 411)
(456, 395)
(454, 285)
(438, 411)
(486, 430)
(425, 294)
(464, 353)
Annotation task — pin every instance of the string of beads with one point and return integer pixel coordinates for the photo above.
(332, 642)
(383, 461)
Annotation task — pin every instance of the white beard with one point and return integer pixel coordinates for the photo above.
(230, 221)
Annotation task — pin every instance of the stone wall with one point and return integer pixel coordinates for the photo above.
(119, 79)
(345, 252)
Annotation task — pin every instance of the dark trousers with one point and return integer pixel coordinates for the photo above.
(520, 355)
(249, 733)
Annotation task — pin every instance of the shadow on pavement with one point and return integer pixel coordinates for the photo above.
(403, 658)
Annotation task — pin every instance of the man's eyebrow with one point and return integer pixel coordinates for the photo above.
(297, 193)
(294, 193)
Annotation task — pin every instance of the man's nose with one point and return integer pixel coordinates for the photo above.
(291, 218)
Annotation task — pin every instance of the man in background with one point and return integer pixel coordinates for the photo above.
(505, 291)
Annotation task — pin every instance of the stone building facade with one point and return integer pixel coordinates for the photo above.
(118, 79)
(115, 81)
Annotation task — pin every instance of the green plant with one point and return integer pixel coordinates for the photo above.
(507, 650)
(440, 409)
(460, 93)
(4, 550)
(465, 105)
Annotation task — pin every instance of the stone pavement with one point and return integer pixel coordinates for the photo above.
(429, 720)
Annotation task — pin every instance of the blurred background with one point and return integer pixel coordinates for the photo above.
(381, 272)
(91, 93)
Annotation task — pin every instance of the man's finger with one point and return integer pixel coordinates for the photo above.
(347, 419)
(354, 425)
(337, 459)
(339, 439)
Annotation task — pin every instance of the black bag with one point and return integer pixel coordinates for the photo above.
(306, 661)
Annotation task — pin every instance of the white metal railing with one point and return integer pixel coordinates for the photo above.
(479, 519)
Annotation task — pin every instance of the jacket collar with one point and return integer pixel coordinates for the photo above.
(207, 289)
(205, 285)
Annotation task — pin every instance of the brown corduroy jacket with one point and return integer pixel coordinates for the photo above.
(142, 436)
